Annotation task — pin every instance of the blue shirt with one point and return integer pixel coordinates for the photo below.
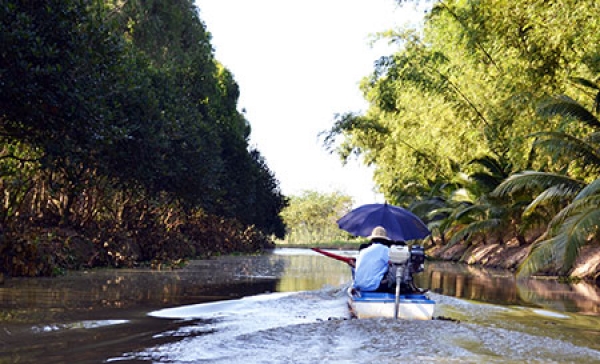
(371, 266)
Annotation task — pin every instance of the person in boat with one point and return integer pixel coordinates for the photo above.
(372, 264)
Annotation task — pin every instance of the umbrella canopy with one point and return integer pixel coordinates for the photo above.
(400, 224)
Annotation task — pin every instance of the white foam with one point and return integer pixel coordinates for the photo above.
(241, 306)
(550, 314)
(313, 327)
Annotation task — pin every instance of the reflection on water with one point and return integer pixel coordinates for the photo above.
(306, 270)
(81, 293)
(501, 287)
(99, 314)
(579, 297)
(85, 317)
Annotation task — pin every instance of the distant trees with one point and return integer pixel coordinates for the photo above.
(108, 107)
(312, 217)
(472, 85)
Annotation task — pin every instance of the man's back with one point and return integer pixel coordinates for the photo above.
(371, 266)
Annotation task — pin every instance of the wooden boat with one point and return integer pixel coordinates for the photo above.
(414, 306)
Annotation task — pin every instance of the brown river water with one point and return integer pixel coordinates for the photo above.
(289, 307)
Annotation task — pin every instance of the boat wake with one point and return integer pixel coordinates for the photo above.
(315, 327)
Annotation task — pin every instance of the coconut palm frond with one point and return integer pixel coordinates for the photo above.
(563, 248)
(551, 195)
(529, 180)
(485, 180)
(542, 254)
(593, 138)
(442, 226)
(590, 84)
(462, 195)
(424, 207)
(591, 189)
(576, 207)
(492, 165)
(441, 219)
(470, 212)
(534, 220)
(520, 204)
(585, 82)
(565, 145)
(443, 211)
(438, 215)
(500, 211)
(437, 224)
(577, 230)
(567, 107)
(475, 228)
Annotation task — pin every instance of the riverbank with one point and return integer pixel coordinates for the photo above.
(52, 249)
(510, 256)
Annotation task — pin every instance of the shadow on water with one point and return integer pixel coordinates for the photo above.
(86, 317)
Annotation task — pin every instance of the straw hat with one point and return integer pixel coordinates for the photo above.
(379, 233)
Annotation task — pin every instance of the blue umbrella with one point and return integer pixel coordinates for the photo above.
(400, 223)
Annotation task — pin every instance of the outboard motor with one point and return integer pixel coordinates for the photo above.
(417, 258)
(399, 259)
(405, 261)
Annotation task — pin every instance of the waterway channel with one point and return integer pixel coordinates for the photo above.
(290, 307)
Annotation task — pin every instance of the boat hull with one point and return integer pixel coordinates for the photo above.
(381, 304)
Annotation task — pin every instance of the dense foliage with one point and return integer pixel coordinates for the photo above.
(469, 101)
(312, 217)
(118, 124)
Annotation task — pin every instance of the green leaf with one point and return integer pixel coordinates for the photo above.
(533, 180)
(567, 107)
(552, 195)
(591, 189)
(478, 227)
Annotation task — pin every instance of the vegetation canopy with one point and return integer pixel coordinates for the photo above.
(484, 121)
(120, 137)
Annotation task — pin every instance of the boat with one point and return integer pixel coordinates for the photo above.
(412, 306)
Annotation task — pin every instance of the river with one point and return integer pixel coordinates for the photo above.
(290, 307)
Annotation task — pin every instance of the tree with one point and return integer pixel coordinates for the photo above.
(468, 84)
(465, 85)
(575, 222)
(118, 111)
(312, 217)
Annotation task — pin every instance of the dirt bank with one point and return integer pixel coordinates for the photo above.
(509, 256)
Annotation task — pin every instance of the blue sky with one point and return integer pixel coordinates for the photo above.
(298, 63)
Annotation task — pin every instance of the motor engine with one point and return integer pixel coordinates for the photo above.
(417, 258)
(399, 254)
(404, 262)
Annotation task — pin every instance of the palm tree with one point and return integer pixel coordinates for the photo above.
(462, 209)
(577, 217)
(438, 208)
(487, 214)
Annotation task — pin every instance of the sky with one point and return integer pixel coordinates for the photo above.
(298, 63)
